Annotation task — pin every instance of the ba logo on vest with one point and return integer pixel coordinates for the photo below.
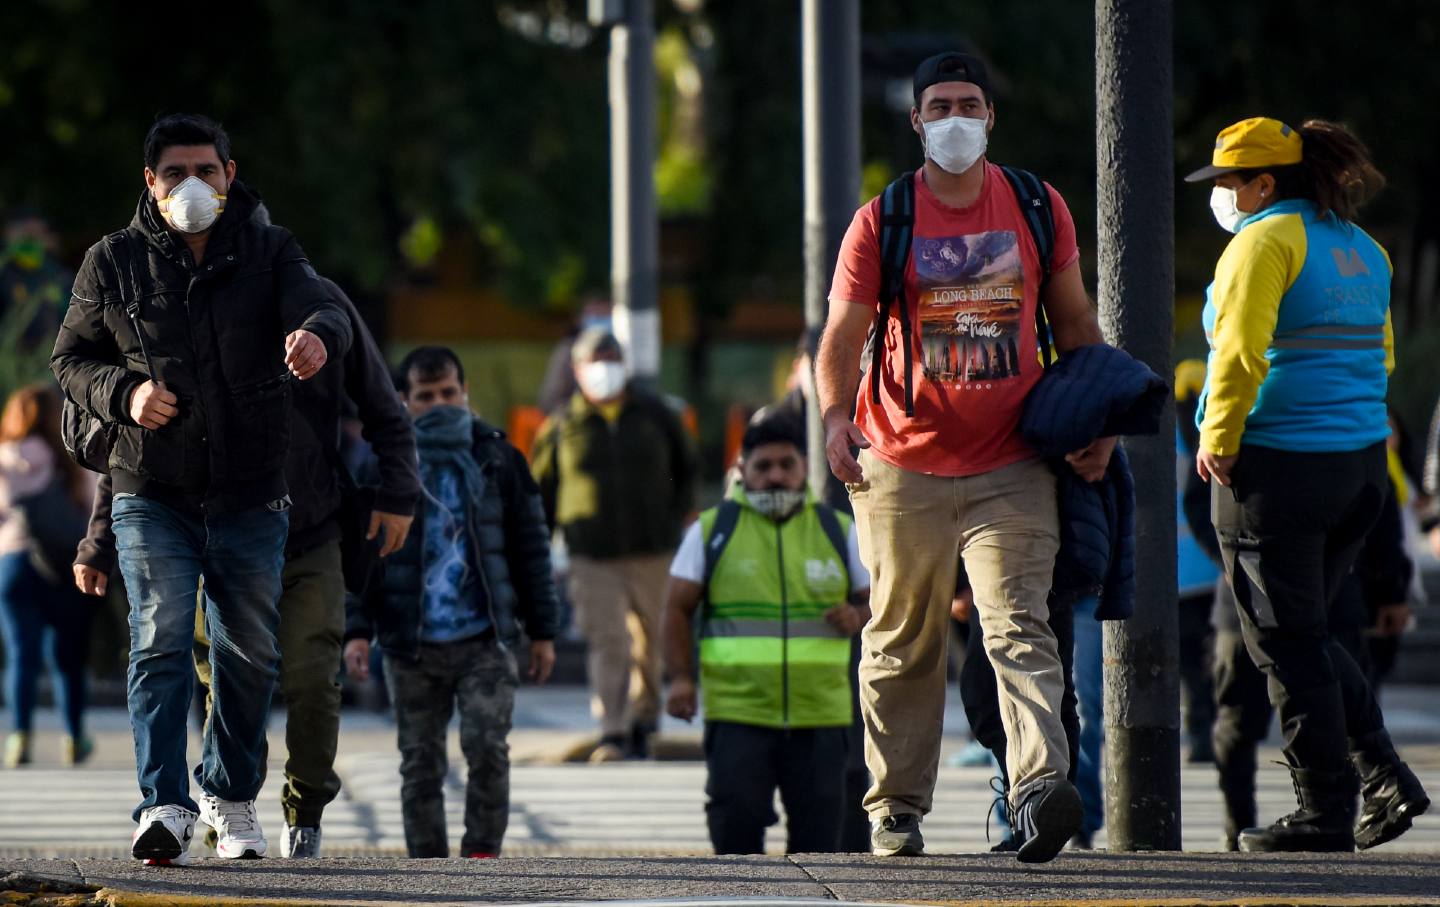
(819, 572)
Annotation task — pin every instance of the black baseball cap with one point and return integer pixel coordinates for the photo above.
(951, 66)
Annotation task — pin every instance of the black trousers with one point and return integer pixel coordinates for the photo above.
(745, 764)
(1290, 526)
(980, 693)
(1242, 702)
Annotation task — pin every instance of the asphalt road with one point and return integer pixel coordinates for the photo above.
(997, 879)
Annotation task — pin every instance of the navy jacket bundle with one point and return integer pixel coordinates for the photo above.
(1094, 392)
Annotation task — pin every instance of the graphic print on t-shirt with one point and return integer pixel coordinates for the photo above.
(972, 293)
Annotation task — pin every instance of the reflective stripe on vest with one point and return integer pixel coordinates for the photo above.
(767, 655)
(1332, 337)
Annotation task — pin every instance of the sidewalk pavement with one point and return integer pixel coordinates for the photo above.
(552, 721)
(1093, 879)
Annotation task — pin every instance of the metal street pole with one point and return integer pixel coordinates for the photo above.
(831, 99)
(634, 223)
(1135, 193)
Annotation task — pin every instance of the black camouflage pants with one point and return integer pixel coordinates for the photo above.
(479, 676)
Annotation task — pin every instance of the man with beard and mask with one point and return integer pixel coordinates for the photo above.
(183, 334)
(448, 614)
(943, 471)
(617, 475)
(779, 588)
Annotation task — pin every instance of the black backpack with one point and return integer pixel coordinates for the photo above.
(88, 438)
(897, 228)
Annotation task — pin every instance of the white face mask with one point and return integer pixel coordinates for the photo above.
(955, 143)
(192, 206)
(776, 503)
(1227, 215)
(602, 380)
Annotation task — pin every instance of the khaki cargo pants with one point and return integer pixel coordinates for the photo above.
(913, 530)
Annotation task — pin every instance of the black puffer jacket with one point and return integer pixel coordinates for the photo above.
(510, 542)
(216, 336)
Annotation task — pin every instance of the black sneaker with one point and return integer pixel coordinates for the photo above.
(1391, 804)
(1047, 818)
(897, 835)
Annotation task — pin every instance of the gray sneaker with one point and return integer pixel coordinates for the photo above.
(301, 842)
(897, 835)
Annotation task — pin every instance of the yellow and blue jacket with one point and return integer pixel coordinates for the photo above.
(1301, 344)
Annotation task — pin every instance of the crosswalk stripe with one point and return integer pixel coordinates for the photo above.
(628, 808)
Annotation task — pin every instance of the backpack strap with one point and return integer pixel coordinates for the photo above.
(830, 523)
(1036, 208)
(897, 229)
(727, 515)
(122, 259)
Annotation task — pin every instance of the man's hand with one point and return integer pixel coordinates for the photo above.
(1208, 464)
(1091, 462)
(304, 354)
(542, 659)
(961, 605)
(840, 435)
(90, 581)
(357, 659)
(152, 406)
(1391, 620)
(682, 703)
(848, 619)
(1435, 541)
(396, 526)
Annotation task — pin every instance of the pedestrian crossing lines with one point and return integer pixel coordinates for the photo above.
(638, 807)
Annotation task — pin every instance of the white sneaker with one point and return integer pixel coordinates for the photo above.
(163, 837)
(301, 842)
(237, 828)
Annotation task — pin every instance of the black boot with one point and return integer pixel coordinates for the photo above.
(1393, 795)
(1324, 822)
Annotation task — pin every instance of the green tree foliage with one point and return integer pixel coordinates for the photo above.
(356, 121)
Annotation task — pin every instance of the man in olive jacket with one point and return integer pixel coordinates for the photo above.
(617, 476)
(183, 334)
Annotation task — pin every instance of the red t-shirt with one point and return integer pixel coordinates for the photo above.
(972, 285)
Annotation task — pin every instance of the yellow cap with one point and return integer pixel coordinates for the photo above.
(1256, 142)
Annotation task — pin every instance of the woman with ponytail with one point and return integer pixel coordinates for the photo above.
(1292, 440)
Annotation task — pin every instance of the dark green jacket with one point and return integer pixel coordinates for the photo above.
(616, 489)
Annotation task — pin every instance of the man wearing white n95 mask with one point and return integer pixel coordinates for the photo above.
(617, 476)
(183, 334)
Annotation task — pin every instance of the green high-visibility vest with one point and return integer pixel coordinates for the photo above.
(768, 657)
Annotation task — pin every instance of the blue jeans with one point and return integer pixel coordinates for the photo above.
(43, 624)
(163, 555)
(1089, 689)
